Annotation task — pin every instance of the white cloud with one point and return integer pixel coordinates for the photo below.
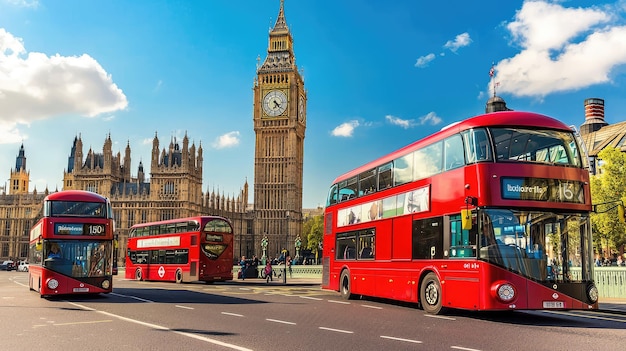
(404, 123)
(9, 134)
(424, 60)
(459, 41)
(34, 86)
(227, 140)
(431, 118)
(563, 49)
(345, 129)
(23, 3)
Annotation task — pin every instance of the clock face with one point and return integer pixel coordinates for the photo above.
(301, 114)
(275, 103)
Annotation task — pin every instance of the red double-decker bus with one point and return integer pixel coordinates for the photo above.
(490, 213)
(71, 245)
(181, 250)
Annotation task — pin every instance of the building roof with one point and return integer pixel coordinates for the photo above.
(613, 135)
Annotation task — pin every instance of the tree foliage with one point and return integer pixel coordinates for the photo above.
(313, 229)
(608, 188)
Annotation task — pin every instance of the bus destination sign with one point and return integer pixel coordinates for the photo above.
(542, 189)
(79, 229)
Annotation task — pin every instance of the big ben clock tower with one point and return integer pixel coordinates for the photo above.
(279, 126)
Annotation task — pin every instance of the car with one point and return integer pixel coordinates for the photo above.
(22, 266)
(7, 266)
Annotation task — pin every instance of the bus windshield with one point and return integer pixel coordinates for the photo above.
(544, 246)
(77, 258)
(75, 209)
(539, 146)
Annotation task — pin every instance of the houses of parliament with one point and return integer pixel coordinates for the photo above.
(174, 186)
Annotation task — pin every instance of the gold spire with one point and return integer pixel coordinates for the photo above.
(281, 23)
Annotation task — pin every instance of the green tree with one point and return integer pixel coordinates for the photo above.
(608, 188)
(313, 229)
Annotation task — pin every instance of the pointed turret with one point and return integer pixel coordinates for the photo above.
(280, 55)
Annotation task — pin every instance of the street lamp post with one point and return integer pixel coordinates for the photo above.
(286, 250)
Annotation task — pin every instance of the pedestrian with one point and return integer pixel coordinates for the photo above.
(289, 265)
(242, 264)
(268, 272)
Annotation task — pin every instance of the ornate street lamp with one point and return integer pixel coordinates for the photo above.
(286, 246)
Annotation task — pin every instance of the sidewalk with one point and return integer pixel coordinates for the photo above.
(611, 305)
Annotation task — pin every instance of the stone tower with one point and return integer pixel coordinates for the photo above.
(20, 177)
(279, 125)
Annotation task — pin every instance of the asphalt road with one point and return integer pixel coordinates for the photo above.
(257, 316)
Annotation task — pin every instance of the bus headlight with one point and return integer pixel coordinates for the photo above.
(504, 291)
(52, 283)
(106, 284)
(592, 293)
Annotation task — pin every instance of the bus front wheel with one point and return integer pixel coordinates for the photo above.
(344, 285)
(138, 275)
(430, 294)
(179, 276)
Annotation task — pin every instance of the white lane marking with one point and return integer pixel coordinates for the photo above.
(463, 348)
(440, 317)
(232, 314)
(185, 307)
(341, 302)
(279, 321)
(337, 330)
(131, 297)
(52, 323)
(155, 326)
(311, 298)
(401, 339)
(374, 307)
(587, 316)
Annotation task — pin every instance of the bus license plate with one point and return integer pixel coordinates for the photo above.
(81, 290)
(553, 304)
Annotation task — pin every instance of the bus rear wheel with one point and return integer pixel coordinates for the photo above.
(138, 275)
(179, 276)
(344, 285)
(430, 294)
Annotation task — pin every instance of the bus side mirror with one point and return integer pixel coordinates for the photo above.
(39, 244)
(620, 213)
(466, 219)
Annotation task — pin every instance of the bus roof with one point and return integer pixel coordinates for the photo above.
(494, 119)
(177, 220)
(75, 195)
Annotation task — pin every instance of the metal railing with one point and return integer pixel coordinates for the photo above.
(611, 281)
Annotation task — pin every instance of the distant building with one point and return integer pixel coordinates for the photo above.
(496, 104)
(597, 134)
(173, 190)
(18, 211)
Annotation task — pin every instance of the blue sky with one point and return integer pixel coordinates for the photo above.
(379, 75)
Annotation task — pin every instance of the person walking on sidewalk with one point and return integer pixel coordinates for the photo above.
(289, 262)
(243, 265)
(268, 272)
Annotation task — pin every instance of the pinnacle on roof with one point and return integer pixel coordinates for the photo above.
(281, 23)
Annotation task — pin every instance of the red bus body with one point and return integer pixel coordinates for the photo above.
(506, 229)
(181, 250)
(79, 224)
